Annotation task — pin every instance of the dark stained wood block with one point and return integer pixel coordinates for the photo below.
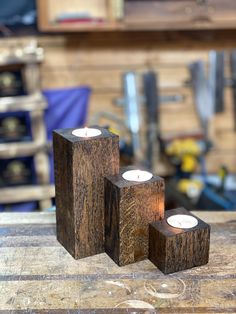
(174, 249)
(129, 208)
(80, 167)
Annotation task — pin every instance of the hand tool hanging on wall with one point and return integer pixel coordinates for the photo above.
(202, 94)
(233, 75)
(150, 82)
(217, 79)
(132, 102)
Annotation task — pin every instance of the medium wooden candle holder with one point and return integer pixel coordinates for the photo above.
(81, 163)
(129, 208)
(173, 249)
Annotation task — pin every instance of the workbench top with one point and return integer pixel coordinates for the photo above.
(37, 275)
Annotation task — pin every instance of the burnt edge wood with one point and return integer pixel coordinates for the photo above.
(173, 249)
(129, 208)
(80, 166)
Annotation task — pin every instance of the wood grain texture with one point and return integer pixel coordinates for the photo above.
(173, 249)
(37, 275)
(80, 167)
(129, 208)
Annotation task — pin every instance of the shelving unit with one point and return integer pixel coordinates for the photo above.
(34, 103)
(130, 15)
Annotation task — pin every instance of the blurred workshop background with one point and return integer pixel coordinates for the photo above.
(160, 73)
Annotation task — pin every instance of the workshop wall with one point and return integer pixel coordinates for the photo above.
(98, 60)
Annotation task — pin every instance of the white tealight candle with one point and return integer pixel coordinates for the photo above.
(182, 221)
(137, 175)
(86, 132)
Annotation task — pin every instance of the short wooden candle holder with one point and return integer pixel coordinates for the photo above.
(129, 208)
(173, 249)
(81, 163)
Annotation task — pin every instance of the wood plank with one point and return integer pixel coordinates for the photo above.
(27, 218)
(218, 158)
(43, 276)
(26, 193)
(22, 149)
(100, 57)
(101, 79)
(50, 218)
(23, 103)
(179, 14)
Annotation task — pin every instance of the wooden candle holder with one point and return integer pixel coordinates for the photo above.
(80, 167)
(174, 249)
(129, 208)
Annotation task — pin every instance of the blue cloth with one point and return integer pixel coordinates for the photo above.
(67, 108)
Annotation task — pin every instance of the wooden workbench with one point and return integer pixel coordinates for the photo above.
(37, 275)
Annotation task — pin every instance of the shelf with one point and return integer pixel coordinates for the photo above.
(23, 103)
(21, 57)
(26, 193)
(77, 27)
(49, 11)
(22, 149)
(149, 15)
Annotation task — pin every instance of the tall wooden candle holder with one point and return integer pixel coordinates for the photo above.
(180, 241)
(82, 158)
(129, 208)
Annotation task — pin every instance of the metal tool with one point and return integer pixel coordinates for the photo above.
(233, 75)
(150, 82)
(217, 79)
(203, 96)
(132, 103)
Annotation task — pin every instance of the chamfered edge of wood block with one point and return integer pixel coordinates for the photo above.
(112, 235)
(64, 230)
(67, 134)
(164, 238)
(120, 182)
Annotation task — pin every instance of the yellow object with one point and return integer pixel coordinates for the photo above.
(222, 172)
(189, 163)
(115, 131)
(191, 188)
(179, 148)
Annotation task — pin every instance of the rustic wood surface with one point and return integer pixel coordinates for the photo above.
(37, 275)
(172, 249)
(129, 208)
(80, 167)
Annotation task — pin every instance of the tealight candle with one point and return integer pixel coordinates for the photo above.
(86, 132)
(182, 221)
(181, 247)
(137, 175)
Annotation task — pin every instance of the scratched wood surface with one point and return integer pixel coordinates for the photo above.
(37, 275)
